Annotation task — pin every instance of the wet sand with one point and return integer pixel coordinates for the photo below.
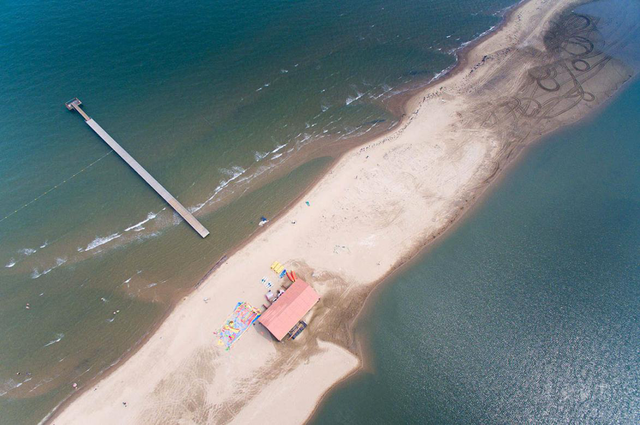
(376, 207)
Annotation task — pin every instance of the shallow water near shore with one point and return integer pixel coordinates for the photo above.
(210, 97)
(528, 311)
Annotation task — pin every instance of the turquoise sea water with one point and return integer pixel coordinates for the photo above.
(529, 311)
(224, 102)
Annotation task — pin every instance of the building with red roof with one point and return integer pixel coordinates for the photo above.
(289, 308)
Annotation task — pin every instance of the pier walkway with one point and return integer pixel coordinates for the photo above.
(164, 193)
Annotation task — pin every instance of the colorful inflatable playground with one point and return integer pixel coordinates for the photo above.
(239, 321)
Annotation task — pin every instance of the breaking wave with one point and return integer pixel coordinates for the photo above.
(99, 241)
(261, 170)
(234, 173)
(36, 273)
(11, 263)
(8, 385)
(138, 227)
(279, 147)
(58, 339)
(260, 155)
(305, 137)
(352, 99)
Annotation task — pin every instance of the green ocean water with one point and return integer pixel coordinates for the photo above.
(529, 311)
(223, 102)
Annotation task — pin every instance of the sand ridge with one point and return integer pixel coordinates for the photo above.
(376, 207)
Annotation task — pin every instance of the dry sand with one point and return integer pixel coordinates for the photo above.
(376, 208)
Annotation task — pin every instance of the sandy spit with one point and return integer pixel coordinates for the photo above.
(378, 205)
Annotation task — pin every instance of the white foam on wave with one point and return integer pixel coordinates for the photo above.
(352, 99)
(305, 137)
(11, 263)
(284, 71)
(443, 72)
(27, 251)
(324, 108)
(8, 385)
(233, 173)
(41, 383)
(279, 147)
(44, 245)
(99, 242)
(259, 155)
(455, 50)
(385, 89)
(257, 173)
(276, 156)
(482, 34)
(144, 236)
(58, 339)
(138, 227)
(36, 273)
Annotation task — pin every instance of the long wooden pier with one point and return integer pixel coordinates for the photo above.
(164, 193)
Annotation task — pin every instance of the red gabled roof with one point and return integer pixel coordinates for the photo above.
(287, 310)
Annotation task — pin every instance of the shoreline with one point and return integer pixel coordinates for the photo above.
(402, 100)
(406, 258)
(363, 354)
